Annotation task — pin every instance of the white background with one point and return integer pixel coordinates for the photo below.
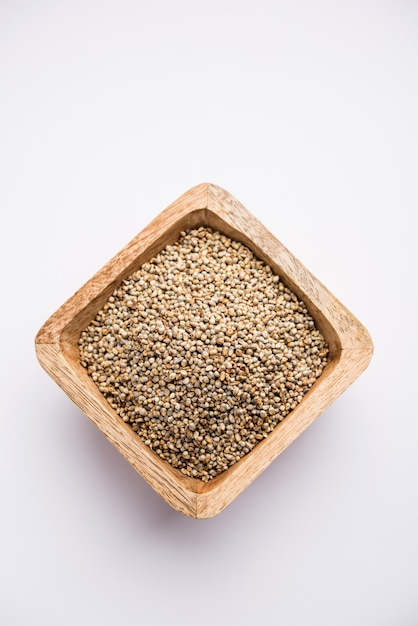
(307, 113)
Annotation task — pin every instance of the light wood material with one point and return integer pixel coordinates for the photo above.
(57, 349)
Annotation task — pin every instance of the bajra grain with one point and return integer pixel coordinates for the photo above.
(203, 351)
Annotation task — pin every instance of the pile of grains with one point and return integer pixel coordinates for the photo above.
(203, 351)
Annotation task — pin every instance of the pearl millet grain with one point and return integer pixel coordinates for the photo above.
(203, 351)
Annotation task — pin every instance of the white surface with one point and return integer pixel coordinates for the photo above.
(307, 113)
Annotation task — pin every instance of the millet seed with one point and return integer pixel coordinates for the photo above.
(203, 351)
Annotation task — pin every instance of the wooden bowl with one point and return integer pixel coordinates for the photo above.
(57, 347)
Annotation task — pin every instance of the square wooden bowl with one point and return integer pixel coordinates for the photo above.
(208, 205)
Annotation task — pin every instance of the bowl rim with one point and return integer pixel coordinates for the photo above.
(56, 345)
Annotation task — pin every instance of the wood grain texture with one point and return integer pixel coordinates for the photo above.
(56, 345)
